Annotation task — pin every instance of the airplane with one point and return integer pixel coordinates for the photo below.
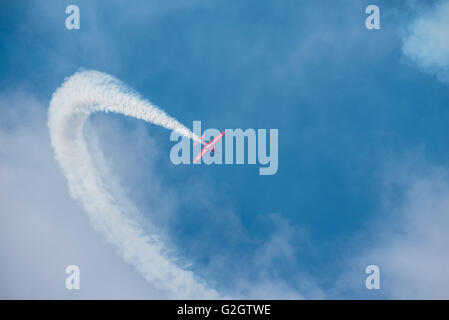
(208, 146)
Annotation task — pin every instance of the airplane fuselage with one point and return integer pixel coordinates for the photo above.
(209, 146)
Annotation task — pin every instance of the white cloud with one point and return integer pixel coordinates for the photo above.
(415, 255)
(409, 240)
(426, 41)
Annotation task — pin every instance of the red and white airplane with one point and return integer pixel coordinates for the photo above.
(208, 146)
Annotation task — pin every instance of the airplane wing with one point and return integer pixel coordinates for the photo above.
(217, 138)
(200, 155)
(201, 139)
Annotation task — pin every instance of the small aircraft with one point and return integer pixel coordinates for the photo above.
(208, 146)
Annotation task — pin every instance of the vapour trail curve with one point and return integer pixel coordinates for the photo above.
(79, 96)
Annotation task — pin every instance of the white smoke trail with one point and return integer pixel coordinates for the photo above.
(80, 95)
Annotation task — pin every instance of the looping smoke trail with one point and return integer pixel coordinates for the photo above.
(80, 95)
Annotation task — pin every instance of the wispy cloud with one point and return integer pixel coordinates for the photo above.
(426, 41)
(408, 239)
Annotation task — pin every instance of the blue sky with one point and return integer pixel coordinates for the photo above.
(362, 144)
